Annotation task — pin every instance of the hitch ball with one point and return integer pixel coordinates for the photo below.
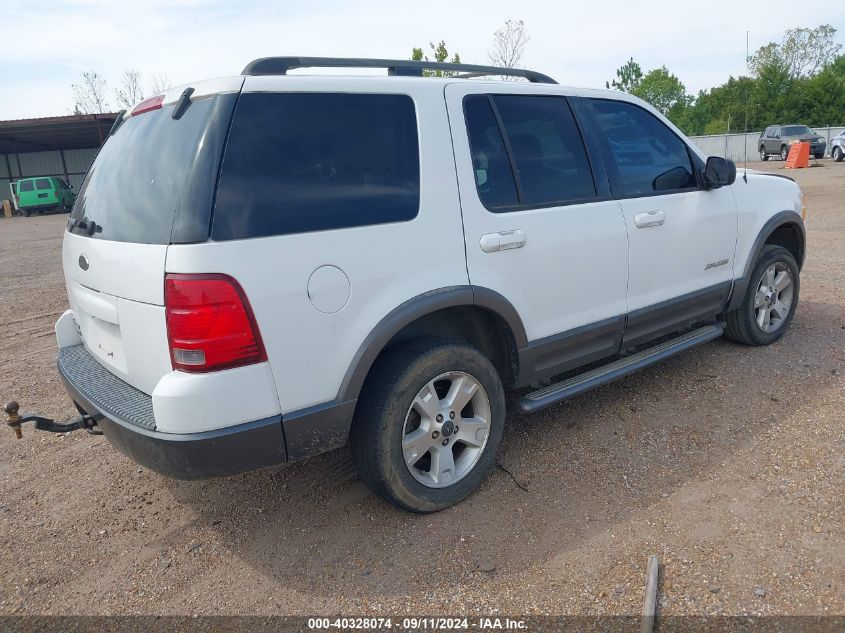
(11, 410)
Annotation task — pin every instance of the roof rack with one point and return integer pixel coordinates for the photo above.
(408, 68)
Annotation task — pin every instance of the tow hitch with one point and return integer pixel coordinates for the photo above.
(15, 421)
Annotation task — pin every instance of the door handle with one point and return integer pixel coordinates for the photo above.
(502, 241)
(649, 218)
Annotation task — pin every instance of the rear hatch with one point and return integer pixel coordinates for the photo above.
(151, 185)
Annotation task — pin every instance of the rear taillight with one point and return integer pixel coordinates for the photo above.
(210, 325)
(153, 103)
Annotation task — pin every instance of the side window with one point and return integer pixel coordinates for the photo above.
(26, 185)
(645, 155)
(42, 184)
(550, 158)
(543, 145)
(493, 174)
(299, 162)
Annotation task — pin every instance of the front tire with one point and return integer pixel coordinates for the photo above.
(428, 424)
(763, 155)
(770, 300)
(837, 154)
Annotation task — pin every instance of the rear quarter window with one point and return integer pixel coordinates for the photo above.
(43, 184)
(300, 162)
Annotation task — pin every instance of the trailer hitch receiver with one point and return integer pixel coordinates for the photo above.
(15, 420)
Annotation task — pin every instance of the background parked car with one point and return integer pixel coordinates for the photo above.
(776, 139)
(45, 193)
(837, 147)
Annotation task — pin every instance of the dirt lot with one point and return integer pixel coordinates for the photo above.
(727, 462)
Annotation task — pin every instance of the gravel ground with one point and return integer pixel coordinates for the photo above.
(727, 462)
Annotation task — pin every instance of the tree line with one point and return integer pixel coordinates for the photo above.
(798, 80)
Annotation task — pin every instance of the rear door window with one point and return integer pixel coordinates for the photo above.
(26, 185)
(494, 177)
(42, 184)
(300, 162)
(547, 149)
(644, 155)
(539, 139)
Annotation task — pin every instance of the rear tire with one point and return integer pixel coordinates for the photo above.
(25, 213)
(406, 446)
(837, 154)
(770, 299)
(763, 155)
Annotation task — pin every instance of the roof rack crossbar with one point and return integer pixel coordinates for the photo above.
(403, 67)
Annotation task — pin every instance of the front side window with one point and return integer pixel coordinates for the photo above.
(26, 185)
(42, 184)
(543, 145)
(300, 162)
(645, 155)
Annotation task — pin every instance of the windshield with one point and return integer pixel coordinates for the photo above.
(153, 180)
(796, 130)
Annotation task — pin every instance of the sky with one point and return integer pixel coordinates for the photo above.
(46, 45)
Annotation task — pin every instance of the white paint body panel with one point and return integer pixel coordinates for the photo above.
(573, 268)
(758, 200)
(190, 403)
(310, 351)
(669, 260)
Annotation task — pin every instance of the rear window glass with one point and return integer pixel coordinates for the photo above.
(154, 177)
(298, 162)
(42, 184)
(26, 185)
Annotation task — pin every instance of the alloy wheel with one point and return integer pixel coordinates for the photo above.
(773, 300)
(446, 429)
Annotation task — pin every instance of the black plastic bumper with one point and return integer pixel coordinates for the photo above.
(215, 453)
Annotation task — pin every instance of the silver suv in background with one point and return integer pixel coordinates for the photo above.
(776, 139)
(837, 147)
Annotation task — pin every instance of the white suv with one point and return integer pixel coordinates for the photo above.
(265, 267)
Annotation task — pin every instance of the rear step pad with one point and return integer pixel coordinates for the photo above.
(546, 397)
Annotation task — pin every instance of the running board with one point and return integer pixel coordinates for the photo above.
(558, 392)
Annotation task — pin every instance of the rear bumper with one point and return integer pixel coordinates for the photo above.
(124, 416)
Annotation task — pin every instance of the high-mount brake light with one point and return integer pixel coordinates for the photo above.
(153, 103)
(210, 324)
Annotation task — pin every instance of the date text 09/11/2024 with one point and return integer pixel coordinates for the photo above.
(414, 624)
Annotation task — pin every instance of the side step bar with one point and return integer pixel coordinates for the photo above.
(558, 392)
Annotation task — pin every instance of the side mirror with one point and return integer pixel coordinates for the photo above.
(719, 172)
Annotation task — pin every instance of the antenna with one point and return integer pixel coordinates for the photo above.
(745, 129)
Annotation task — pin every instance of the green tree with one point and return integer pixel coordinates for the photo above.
(628, 77)
(663, 90)
(440, 53)
(803, 51)
(822, 98)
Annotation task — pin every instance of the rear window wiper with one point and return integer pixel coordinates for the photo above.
(86, 227)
